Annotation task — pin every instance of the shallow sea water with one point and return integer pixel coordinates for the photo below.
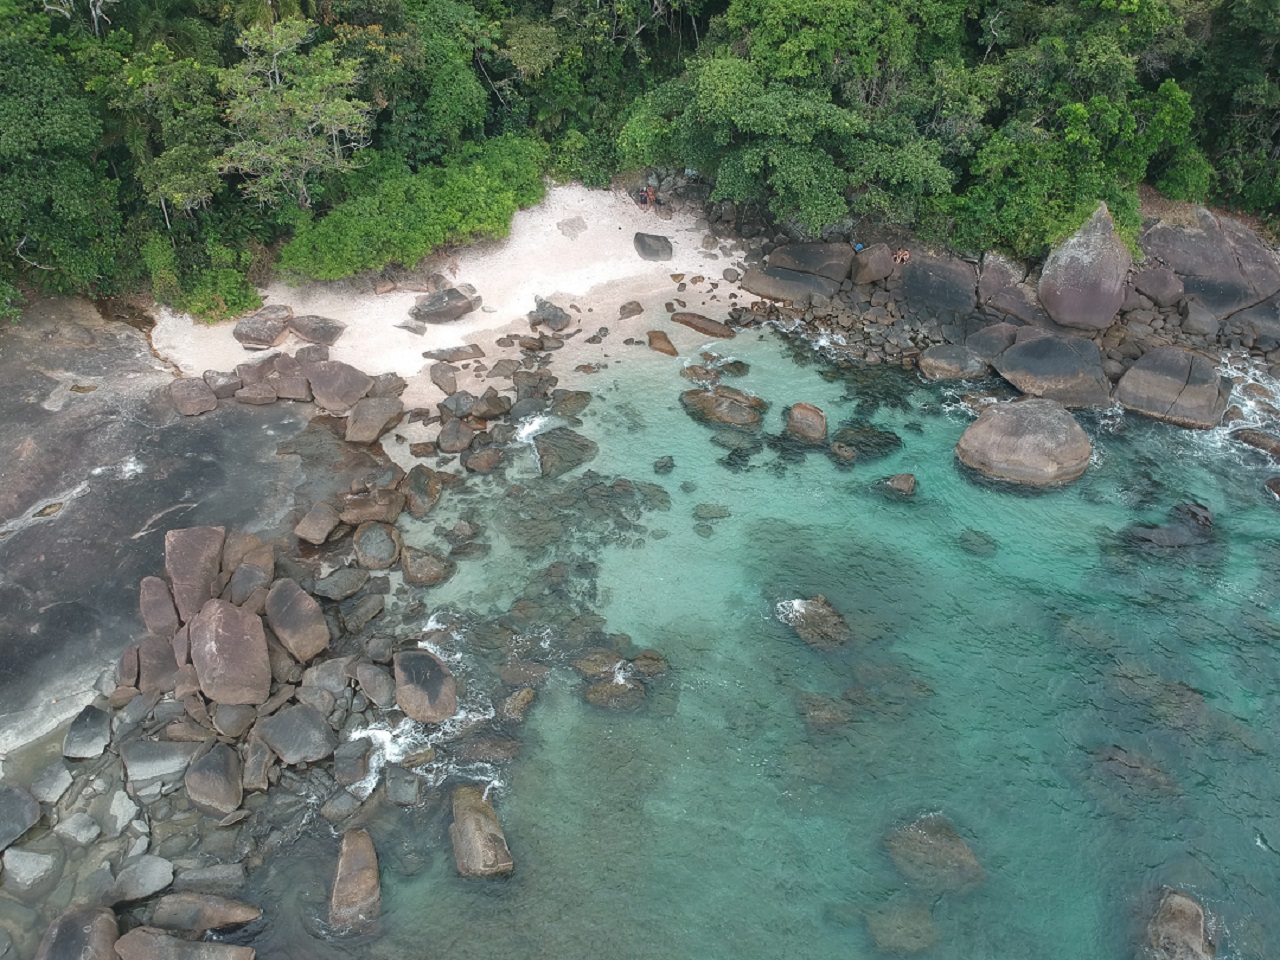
(1003, 641)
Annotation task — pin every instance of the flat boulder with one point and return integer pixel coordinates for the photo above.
(317, 524)
(1035, 442)
(377, 546)
(298, 734)
(1268, 443)
(776, 283)
(229, 652)
(80, 933)
(192, 396)
(425, 688)
(146, 763)
(1065, 369)
(213, 781)
(725, 405)
(195, 914)
(806, 424)
(261, 330)
(992, 340)
(88, 735)
(659, 342)
(1176, 386)
(951, 361)
(479, 845)
(356, 898)
(652, 246)
(139, 878)
(315, 329)
(371, 417)
(704, 325)
(1160, 285)
(1177, 930)
(145, 943)
(872, 264)
(19, 812)
(445, 306)
(940, 283)
(1083, 281)
(336, 386)
(192, 559)
(561, 450)
(931, 854)
(297, 620)
(830, 260)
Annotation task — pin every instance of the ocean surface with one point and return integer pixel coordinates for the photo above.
(1097, 717)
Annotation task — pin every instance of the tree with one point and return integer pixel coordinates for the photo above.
(292, 113)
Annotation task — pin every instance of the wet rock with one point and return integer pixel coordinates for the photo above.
(351, 762)
(259, 394)
(342, 583)
(376, 684)
(297, 734)
(774, 283)
(356, 898)
(79, 828)
(616, 693)
(313, 329)
(930, 854)
(229, 652)
(384, 506)
(220, 879)
(192, 558)
(902, 927)
(336, 386)
(664, 465)
(371, 417)
(1083, 281)
(485, 460)
(26, 871)
(704, 325)
(195, 914)
(518, 673)
(121, 811)
(949, 361)
(903, 483)
(806, 424)
(425, 567)
(830, 260)
(421, 487)
(143, 943)
(515, 706)
(1260, 440)
(1176, 386)
(148, 762)
(403, 787)
(455, 436)
(88, 735)
(1065, 369)
(1177, 930)
(479, 845)
(319, 522)
(819, 624)
(447, 305)
(377, 546)
(261, 330)
(296, 620)
(139, 878)
(49, 785)
(80, 933)
(19, 812)
(724, 405)
(192, 396)
(651, 246)
(561, 450)
(425, 688)
(1034, 442)
(213, 781)
(661, 343)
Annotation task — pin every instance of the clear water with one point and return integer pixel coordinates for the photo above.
(1003, 640)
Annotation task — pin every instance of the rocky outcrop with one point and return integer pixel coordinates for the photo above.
(1176, 386)
(941, 283)
(776, 283)
(336, 386)
(425, 688)
(1177, 930)
(929, 853)
(726, 406)
(1065, 369)
(356, 898)
(830, 260)
(1083, 281)
(1034, 442)
(872, 264)
(479, 845)
(949, 361)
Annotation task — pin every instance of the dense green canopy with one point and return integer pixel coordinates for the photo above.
(183, 146)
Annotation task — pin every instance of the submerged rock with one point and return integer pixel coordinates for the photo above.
(479, 845)
(725, 405)
(818, 623)
(81, 933)
(902, 927)
(1190, 524)
(195, 914)
(139, 878)
(1034, 442)
(561, 450)
(1177, 931)
(616, 693)
(930, 854)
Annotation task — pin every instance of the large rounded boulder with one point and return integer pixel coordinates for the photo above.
(1177, 386)
(1034, 442)
(1083, 281)
(1066, 369)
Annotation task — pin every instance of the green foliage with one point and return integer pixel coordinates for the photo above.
(402, 216)
(11, 302)
(1189, 176)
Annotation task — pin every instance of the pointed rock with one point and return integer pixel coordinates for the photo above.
(192, 558)
(356, 898)
(1083, 281)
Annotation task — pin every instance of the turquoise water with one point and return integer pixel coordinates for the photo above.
(1004, 641)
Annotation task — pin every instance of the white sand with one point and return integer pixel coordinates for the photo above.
(576, 247)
